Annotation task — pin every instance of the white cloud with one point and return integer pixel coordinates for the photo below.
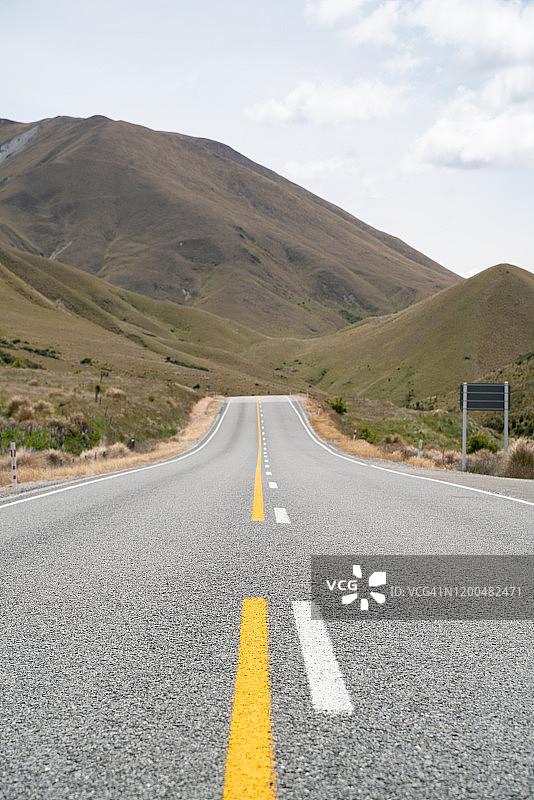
(305, 170)
(363, 101)
(470, 135)
(402, 63)
(487, 31)
(379, 27)
(330, 12)
(509, 86)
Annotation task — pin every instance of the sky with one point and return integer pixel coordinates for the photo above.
(416, 116)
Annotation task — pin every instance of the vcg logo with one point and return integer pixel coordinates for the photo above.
(356, 588)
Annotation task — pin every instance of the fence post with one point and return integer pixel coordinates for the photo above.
(14, 477)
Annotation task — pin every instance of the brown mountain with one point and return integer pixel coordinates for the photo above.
(192, 221)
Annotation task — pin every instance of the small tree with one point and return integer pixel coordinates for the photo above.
(338, 404)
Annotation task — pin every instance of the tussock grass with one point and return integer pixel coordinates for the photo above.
(520, 460)
(115, 394)
(519, 463)
(324, 425)
(56, 465)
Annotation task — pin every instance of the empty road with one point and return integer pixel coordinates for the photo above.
(130, 603)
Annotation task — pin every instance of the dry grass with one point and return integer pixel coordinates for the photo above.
(519, 463)
(147, 164)
(201, 419)
(324, 425)
(55, 464)
(520, 459)
(115, 394)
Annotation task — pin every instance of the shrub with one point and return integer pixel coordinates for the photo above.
(25, 413)
(116, 394)
(44, 407)
(480, 442)
(56, 458)
(367, 434)
(394, 438)
(338, 405)
(13, 405)
(116, 450)
(520, 459)
(485, 462)
(452, 459)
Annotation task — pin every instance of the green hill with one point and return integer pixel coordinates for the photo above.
(63, 332)
(462, 333)
(60, 327)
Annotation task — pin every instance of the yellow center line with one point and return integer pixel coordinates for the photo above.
(257, 508)
(250, 763)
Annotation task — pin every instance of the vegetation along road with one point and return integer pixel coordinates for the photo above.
(158, 642)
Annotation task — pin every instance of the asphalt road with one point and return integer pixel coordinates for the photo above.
(120, 611)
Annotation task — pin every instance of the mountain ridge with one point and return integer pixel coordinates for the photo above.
(194, 221)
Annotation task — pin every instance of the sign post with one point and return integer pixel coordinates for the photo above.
(483, 397)
(464, 429)
(506, 409)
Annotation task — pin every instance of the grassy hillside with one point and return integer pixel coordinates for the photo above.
(63, 332)
(192, 221)
(462, 333)
(520, 376)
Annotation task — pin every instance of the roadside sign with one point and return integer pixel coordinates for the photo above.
(483, 397)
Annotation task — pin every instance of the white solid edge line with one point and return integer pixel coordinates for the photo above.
(329, 694)
(281, 515)
(123, 472)
(400, 472)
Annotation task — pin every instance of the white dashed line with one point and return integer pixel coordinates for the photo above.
(268, 473)
(328, 691)
(281, 515)
(273, 485)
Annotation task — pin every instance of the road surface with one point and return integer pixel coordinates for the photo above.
(124, 627)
